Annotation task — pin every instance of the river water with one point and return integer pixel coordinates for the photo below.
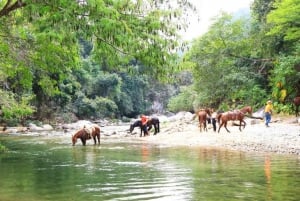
(48, 168)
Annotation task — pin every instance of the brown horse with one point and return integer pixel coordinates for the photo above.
(87, 133)
(246, 109)
(202, 116)
(235, 115)
(297, 104)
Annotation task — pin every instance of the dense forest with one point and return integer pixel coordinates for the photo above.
(62, 60)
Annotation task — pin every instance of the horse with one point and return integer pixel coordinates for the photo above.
(202, 115)
(246, 109)
(231, 116)
(152, 121)
(87, 133)
(296, 102)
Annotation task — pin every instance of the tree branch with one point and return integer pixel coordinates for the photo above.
(111, 45)
(10, 6)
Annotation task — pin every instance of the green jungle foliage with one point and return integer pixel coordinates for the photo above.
(246, 61)
(101, 58)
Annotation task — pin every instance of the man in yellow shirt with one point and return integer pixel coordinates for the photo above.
(268, 112)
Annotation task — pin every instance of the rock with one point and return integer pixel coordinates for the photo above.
(47, 127)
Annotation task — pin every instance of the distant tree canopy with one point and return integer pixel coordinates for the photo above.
(245, 61)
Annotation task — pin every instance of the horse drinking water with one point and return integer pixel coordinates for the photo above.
(87, 133)
(151, 122)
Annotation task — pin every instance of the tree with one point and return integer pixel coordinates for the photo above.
(224, 65)
(285, 19)
(284, 23)
(39, 40)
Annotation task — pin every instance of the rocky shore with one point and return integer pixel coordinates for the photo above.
(282, 137)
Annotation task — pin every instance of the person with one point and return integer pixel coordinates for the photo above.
(268, 112)
(144, 120)
(213, 119)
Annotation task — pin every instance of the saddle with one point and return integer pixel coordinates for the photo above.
(88, 132)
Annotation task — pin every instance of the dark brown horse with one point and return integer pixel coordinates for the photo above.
(87, 133)
(297, 104)
(202, 116)
(235, 115)
(151, 122)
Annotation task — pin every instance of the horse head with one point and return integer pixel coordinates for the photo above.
(131, 128)
(137, 123)
(74, 140)
(79, 134)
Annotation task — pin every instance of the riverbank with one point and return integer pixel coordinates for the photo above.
(278, 138)
(283, 136)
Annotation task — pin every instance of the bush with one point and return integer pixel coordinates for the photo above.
(96, 108)
(182, 102)
(13, 111)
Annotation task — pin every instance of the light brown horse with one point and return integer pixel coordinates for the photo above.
(297, 104)
(202, 116)
(235, 115)
(87, 133)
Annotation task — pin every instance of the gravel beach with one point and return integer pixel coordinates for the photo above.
(282, 137)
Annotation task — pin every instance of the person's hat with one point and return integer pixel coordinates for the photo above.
(269, 101)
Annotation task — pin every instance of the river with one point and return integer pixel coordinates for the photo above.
(48, 168)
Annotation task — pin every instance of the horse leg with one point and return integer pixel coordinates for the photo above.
(244, 124)
(200, 126)
(155, 129)
(142, 132)
(225, 125)
(149, 127)
(83, 141)
(240, 125)
(98, 138)
(145, 129)
(220, 127)
(94, 137)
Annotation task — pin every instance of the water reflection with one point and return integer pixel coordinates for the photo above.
(267, 169)
(122, 171)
